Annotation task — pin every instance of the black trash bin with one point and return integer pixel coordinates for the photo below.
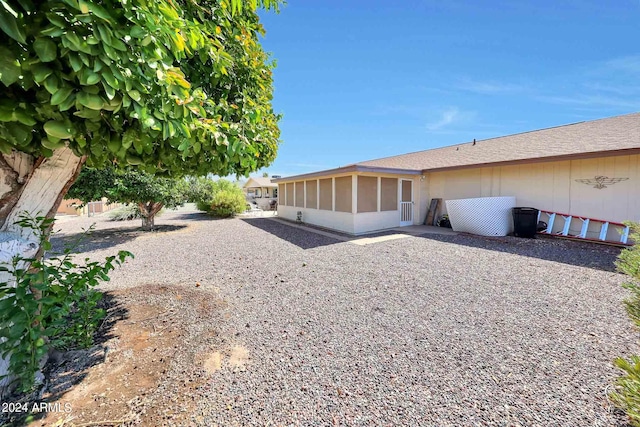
(525, 222)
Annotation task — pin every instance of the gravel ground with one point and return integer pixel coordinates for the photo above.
(432, 330)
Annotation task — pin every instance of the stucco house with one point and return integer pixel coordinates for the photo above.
(76, 207)
(586, 169)
(260, 191)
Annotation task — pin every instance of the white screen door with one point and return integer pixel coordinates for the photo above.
(406, 202)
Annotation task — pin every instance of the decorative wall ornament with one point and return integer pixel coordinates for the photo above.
(600, 181)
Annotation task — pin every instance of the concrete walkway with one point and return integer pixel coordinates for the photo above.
(398, 232)
(417, 230)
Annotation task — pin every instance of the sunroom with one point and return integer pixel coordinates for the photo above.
(352, 199)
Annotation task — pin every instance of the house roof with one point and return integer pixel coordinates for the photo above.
(593, 137)
(259, 182)
(610, 136)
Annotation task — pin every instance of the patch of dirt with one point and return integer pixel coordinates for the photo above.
(157, 350)
(235, 359)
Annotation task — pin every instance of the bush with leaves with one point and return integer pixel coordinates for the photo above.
(221, 198)
(125, 213)
(627, 393)
(51, 303)
(227, 203)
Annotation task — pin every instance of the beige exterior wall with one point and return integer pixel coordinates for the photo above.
(70, 207)
(550, 186)
(338, 197)
(281, 194)
(371, 221)
(422, 202)
(341, 221)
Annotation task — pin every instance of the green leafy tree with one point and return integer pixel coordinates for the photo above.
(148, 192)
(200, 191)
(171, 87)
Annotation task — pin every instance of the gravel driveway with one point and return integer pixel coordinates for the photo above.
(432, 330)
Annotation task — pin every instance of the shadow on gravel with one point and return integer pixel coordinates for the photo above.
(580, 254)
(67, 369)
(193, 216)
(105, 238)
(301, 238)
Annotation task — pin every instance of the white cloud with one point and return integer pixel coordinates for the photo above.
(450, 116)
(489, 87)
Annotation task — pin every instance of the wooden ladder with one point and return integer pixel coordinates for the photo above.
(604, 227)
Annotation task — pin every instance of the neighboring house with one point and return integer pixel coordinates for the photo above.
(261, 192)
(588, 169)
(75, 207)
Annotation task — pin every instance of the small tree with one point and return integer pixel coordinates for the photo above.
(627, 395)
(148, 192)
(220, 198)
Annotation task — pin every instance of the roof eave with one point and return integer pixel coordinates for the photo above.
(565, 157)
(349, 169)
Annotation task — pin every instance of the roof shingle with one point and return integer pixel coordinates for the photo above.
(260, 181)
(610, 134)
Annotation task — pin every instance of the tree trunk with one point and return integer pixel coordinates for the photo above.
(36, 186)
(148, 222)
(43, 186)
(148, 211)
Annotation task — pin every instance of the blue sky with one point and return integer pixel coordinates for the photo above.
(358, 80)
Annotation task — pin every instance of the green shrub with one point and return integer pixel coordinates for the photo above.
(629, 259)
(228, 203)
(52, 303)
(204, 205)
(125, 213)
(627, 393)
(221, 198)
